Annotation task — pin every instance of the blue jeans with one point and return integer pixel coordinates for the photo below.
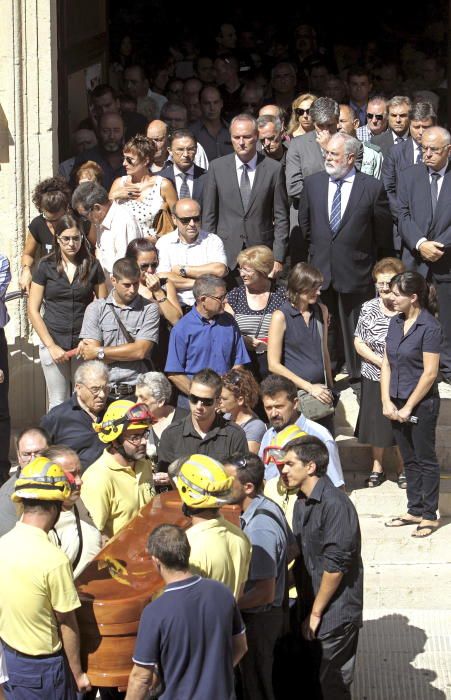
(34, 678)
(416, 443)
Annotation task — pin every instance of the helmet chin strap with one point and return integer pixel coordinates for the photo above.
(119, 447)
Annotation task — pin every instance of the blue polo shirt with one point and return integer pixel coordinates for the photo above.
(196, 343)
(405, 352)
(187, 633)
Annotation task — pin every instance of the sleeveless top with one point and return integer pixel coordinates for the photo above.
(248, 319)
(301, 350)
(144, 210)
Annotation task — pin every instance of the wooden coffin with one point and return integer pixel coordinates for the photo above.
(117, 585)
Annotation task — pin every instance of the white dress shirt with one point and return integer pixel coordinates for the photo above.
(346, 188)
(439, 187)
(251, 168)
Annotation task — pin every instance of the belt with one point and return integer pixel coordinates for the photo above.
(31, 656)
(122, 389)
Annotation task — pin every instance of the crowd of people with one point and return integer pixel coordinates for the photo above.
(218, 250)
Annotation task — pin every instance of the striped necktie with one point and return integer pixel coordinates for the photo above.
(335, 212)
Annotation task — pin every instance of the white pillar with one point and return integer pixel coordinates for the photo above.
(28, 154)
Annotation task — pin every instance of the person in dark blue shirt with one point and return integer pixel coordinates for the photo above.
(190, 637)
(410, 397)
(205, 337)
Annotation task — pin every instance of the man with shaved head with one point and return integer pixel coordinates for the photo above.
(424, 223)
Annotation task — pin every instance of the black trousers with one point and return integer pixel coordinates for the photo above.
(344, 310)
(5, 420)
(416, 443)
(338, 653)
(262, 631)
(444, 313)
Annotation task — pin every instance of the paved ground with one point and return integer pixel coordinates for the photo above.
(405, 645)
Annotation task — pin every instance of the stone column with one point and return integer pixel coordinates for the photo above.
(28, 153)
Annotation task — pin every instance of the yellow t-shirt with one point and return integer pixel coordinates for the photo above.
(114, 494)
(36, 580)
(221, 551)
(276, 490)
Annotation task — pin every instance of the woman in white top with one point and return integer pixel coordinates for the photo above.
(141, 192)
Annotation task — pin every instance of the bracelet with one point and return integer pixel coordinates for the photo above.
(160, 301)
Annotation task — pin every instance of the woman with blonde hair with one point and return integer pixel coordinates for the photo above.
(253, 303)
(300, 121)
(141, 192)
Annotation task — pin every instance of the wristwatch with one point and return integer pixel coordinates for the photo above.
(100, 353)
(183, 272)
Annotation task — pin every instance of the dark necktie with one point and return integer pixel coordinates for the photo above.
(434, 190)
(399, 139)
(419, 156)
(335, 212)
(245, 186)
(184, 189)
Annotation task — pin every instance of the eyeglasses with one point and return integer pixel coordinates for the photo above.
(85, 216)
(67, 239)
(145, 266)
(187, 219)
(32, 454)
(377, 117)
(138, 437)
(382, 285)
(96, 390)
(130, 161)
(198, 399)
(299, 112)
(220, 299)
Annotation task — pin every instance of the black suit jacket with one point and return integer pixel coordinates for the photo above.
(346, 258)
(265, 220)
(400, 157)
(198, 180)
(416, 220)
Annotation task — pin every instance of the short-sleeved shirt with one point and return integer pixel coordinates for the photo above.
(250, 321)
(187, 634)
(196, 343)
(334, 470)
(405, 352)
(223, 439)
(254, 429)
(41, 233)
(65, 302)
(36, 581)
(372, 328)
(326, 526)
(69, 424)
(113, 494)
(221, 551)
(269, 539)
(141, 318)
(208, 248)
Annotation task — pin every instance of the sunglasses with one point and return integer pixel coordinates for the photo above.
(378, 117)
(187, 219)
(145, 266)
(240, 463)
(299, 112)
(129, 160)
(198, 399)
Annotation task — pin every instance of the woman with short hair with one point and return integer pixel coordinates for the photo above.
(239, 395)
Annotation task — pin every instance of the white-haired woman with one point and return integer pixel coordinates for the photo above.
(155, 390)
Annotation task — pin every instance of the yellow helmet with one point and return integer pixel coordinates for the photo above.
(43, 480)
(123, 415)
(203, 483)
(275, 452)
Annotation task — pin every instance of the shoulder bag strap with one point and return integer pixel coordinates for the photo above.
(319, 325)
(262, 317)
(80, 539)
(128, 337)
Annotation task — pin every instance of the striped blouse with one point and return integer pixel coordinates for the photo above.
(372, 328)
(248, 319)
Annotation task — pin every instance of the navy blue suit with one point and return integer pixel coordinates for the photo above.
(199, 176)
(400, 157)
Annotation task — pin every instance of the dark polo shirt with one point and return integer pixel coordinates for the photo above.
(68, 424)
(181, 439)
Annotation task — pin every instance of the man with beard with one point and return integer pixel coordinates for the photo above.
(120, 482)
(280, 400)
(108, 152)
(344, 214)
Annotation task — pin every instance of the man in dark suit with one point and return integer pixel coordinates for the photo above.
(424, 220)
(344, 215)
(405, 154)
(398, 124)
(305, 157)
(245, 200)
(185, 175)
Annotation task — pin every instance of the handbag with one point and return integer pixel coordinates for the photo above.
(310, 406)
(163, 222)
